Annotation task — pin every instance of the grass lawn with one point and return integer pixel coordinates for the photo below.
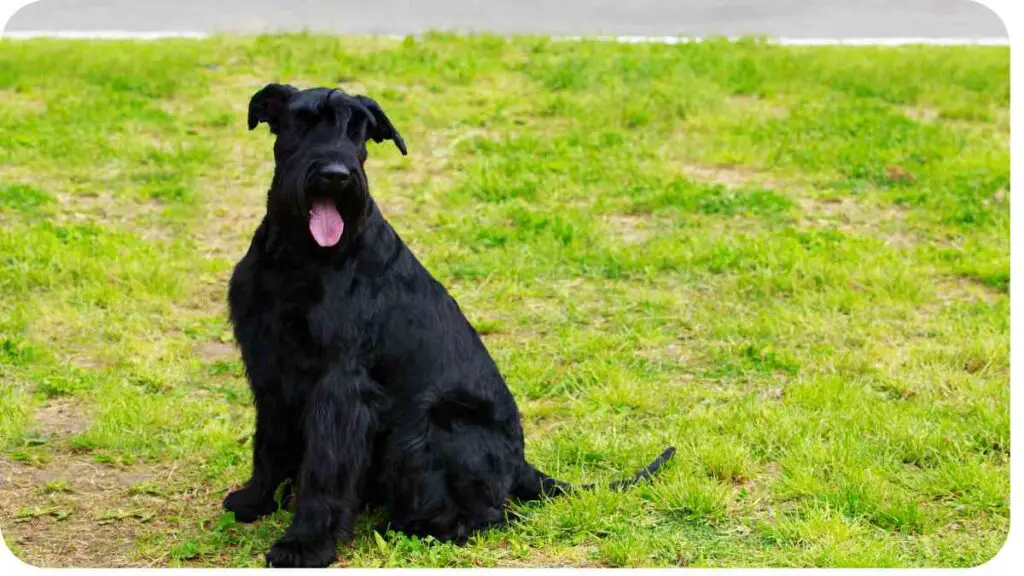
(791, 263)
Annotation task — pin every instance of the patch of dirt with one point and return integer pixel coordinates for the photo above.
(71, 511)
(921, 113)
(75, 206)
(758, 487)
(847, 214)
(62, 417)
(105, 210)
(675, 352)
(211, 351)
(91, 520)
(73, 338)
(950, 290)
(731, 177)
(177, 106)
(82, 476)
(21, 102)
(83, 358)
(897, 173)
(630, 229)
(756, 103)
(406, 192)
(581, 556)
(394, 206)
(230, 221)
(46, 542)
(953, 288)
(774, 393)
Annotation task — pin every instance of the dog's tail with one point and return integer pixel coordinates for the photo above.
(533, 484)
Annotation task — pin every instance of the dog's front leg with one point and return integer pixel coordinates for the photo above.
(338, 426)
(277, 448)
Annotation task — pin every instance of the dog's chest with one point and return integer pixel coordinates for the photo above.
(303, 316)
(274, 321)
(336, 320)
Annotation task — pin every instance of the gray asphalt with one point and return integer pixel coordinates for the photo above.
(792, 18)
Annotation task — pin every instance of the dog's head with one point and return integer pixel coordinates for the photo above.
(319, 153)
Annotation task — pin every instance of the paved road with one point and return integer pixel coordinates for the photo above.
(794, 18)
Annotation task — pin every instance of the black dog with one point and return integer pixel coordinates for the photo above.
(370, 386)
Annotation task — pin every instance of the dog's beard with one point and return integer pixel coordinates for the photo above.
(322, 216)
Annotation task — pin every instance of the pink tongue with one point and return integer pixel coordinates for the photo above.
(325, 224)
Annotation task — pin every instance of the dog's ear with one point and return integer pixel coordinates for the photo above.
(380, 127)
(268, 104)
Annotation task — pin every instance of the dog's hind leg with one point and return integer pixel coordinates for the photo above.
(277, 449)
(339, 425)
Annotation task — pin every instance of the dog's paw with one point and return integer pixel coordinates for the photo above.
(289, 552)
(248, 506)
(383, 527)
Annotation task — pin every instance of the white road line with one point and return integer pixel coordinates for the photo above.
(799, 41)
(100, 34)
(783, 41)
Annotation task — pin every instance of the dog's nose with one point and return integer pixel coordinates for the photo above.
(335, 173)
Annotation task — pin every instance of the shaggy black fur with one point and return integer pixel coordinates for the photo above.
(370, 386)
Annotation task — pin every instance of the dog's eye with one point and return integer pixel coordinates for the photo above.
(327, 112)
(305, 119)
(355, 127)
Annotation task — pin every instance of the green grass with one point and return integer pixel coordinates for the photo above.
(791, 263)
